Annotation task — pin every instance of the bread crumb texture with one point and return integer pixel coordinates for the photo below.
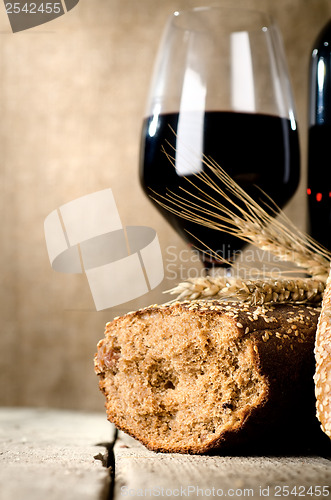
(188, 377)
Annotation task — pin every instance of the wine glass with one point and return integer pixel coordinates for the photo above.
(221, 89)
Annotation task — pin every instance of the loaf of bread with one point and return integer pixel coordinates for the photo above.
(193, 376)
(322, 375)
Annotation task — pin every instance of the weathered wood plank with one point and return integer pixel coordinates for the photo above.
(140, 472)
(50, 454)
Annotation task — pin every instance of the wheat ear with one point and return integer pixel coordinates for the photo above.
(246, 220)
(254, 292)
(241, 216)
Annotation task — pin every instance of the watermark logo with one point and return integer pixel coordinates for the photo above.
(182, 264)
(24, 15)
(121, 263)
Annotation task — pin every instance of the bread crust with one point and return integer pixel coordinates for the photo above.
(322, 377)
(276, 343)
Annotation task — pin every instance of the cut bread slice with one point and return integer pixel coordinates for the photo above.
(193, 376)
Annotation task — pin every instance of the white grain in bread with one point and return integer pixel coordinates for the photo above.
(322, 377)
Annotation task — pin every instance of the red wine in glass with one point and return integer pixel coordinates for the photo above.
(252, 135)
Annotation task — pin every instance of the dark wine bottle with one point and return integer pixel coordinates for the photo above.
(319, 139)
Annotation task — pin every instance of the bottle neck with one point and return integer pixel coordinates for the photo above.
(320, 79)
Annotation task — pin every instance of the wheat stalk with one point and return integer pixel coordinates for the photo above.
(232, 210)
(254, 292)
(248, 221)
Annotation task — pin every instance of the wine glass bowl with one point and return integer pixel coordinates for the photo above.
(220, 89)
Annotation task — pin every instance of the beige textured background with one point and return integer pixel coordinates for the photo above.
(71, 103)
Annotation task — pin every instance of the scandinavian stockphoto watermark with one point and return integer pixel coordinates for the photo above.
(195, 491)
(183, 264)
(86, 235)
(24, 14)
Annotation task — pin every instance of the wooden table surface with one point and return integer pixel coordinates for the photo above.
(66, 455)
